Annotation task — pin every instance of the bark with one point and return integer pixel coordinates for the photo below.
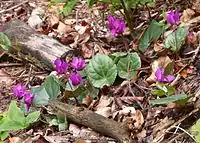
(32, 46)
(98, 123)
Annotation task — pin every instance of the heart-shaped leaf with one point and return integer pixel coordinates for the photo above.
(175, 43)
(168, 99)
(101, 70)
(152, 33)
(127, 66)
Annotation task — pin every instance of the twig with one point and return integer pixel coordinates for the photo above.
(16, 6)
(29, 75)
(3, 65)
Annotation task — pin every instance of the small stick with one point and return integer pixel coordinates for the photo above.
(16, 6)
(3, 65)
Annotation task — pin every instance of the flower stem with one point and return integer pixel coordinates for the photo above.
(128, 18)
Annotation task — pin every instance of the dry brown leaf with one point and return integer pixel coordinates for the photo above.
(63, 28)
(4, 77)
(54, 20)
(105, 111)
(130, 99)
(187, 15)
(87, 100)
(139, 119)
(160, 62)
(87, 52)
(70, 21)
(15, 140)
(104, 101)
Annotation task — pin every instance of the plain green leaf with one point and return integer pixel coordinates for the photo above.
(62, 121)
(49, 90)
(195, 131)
(132, 61)
(59, 1)
(4, 41)
(101, 70)
(52, 87)
(32, 117)
(90, 2)
(152, 33)
(175, 43)
(158, 92)
(16, 114)
(4, 135)
(67, 9)
(41, 96)
(168, 99)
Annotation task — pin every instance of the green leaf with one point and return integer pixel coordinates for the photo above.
(67, 9)
(101, 70)
(132, 61)
(4, 42)
(175, 43)
(117, 55)
(152, 33)
(16, 114)
(49, 90)
(52, 87)
(62, 121)
(168, 99)
(59, 1)
(41, 96)
(32, 117)
(195, 131)
(90, 3)
(4, 135)
(158, 92)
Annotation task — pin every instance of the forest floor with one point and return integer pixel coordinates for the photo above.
(86, 29)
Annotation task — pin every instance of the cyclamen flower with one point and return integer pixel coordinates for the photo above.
(28, 99)
(61, 66)
(173, 17)
(116, 26)
(19, 90)
(78, 63)
(163, 78)
(75, 78)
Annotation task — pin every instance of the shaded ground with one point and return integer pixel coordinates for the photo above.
(156, 118)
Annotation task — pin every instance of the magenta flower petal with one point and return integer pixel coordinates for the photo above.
(61, 66)
(75, 78)
(19, 90)
(169, 78)
(78, 63)
(159, 74)
(173, 17)
(116, 26)
(28, 98)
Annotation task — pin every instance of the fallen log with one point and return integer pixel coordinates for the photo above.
(27, 44)
(98, 123)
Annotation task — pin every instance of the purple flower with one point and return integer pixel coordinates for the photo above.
(173, 17)
(116, 26)
(19, 90)
(78, 63)
(61, 66)
(75, 78)
(28, 98)
(163, 78)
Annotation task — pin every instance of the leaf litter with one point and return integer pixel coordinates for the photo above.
(148, 124)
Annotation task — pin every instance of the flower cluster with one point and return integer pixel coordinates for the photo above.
(77, 64)
(20, 92)
(161, 77)
(116, 26)
(173, 17)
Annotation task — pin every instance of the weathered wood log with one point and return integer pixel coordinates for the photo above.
(98, 123)
(30, 45)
